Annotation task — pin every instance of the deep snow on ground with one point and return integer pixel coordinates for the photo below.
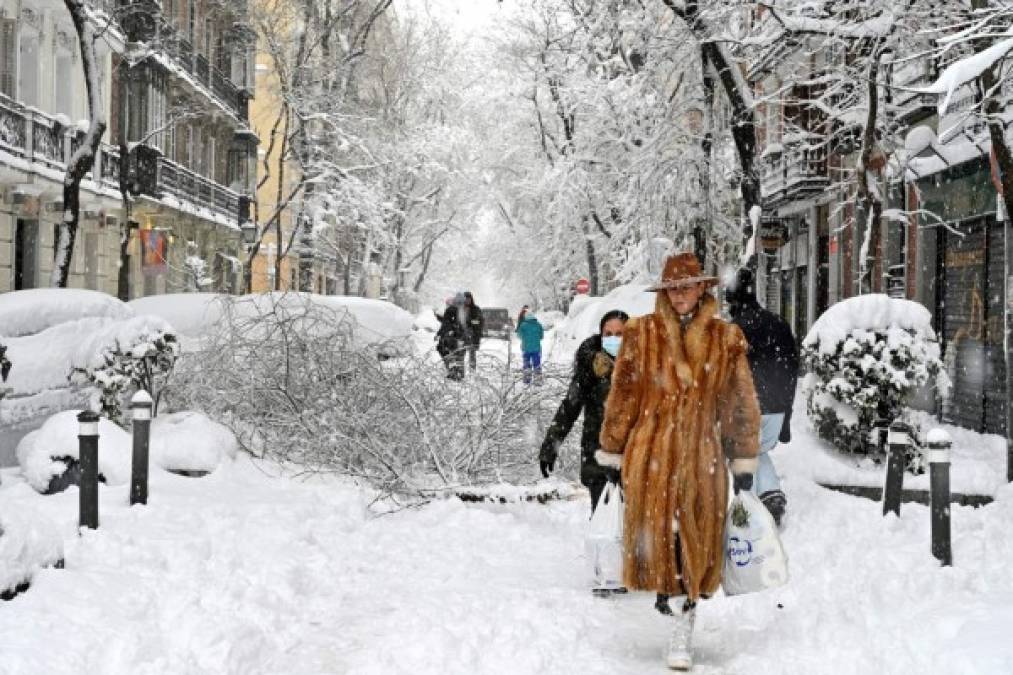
(247, 572)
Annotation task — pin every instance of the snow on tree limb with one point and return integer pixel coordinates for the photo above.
(966, 70)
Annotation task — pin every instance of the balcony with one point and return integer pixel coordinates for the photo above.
(42, 141)
(794, 172)
(161, 178)
(197, 66)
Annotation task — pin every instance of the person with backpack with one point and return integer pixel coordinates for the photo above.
(531, 333)
(449, 343)
(774, 360)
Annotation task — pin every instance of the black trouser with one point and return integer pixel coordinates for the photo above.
(595, 487)
(661, 603)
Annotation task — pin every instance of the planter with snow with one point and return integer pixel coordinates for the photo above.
(866, 357)
(49, 456)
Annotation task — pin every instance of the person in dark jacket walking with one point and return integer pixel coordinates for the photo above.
(589, 388)
(774, 360)
(449, 343)
(474, 325)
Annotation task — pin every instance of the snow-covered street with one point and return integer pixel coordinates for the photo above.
(247, 572)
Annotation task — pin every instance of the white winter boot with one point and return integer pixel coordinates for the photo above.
(679, 654)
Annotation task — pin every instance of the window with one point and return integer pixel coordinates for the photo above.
(8, 57)
(138, 109)
(192, 22)
(28, 70)
(209, 40)
(91, 260)
(63, 85)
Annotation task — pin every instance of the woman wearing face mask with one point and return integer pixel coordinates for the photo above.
(589, 388)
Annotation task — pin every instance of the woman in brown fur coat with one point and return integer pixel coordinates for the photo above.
(682, 403)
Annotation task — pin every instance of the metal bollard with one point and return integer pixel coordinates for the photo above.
(88, 456)
(939, 479)
(898, 440)
(140, 405)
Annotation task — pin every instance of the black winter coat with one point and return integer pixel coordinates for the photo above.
(451, 333)
(589, 388)
(773, 356)
(475, 327)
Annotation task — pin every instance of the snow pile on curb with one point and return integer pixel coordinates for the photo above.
(28, 541)
(190, 441)
(33, 311)
(585, 314)
(40, 452)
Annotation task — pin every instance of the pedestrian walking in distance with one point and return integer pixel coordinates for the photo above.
(773, 358)
(473, 324)
(449, 343)
(681, 404)
(531, 333)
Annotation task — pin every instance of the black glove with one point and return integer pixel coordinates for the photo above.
(742, 481)
(547, 460)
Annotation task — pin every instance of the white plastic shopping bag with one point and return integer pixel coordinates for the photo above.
(754, 557)
(604, 544)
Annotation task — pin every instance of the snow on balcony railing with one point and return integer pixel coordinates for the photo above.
(187, 185)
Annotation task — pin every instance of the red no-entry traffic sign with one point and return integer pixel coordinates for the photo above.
(582, 286)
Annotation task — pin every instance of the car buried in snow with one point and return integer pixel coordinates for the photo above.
(497, 323)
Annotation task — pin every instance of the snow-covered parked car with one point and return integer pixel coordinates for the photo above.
(497, 323)
(199, 317)
(32, 311)
(44, 330)
(192, 315)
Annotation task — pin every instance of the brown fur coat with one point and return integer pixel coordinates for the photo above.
(678, 399)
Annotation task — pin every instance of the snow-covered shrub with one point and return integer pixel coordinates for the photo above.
(865, 357)
(139, 353)
(294, 384)
(53, 452)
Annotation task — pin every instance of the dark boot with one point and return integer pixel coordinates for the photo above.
(776, 503)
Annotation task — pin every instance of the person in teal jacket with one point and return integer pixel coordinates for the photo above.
(531, 332)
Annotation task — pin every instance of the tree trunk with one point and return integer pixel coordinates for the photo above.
(123, 278)
(83, 159)
(869, 192)
(743, 120)
(701, 229)
(592, 260)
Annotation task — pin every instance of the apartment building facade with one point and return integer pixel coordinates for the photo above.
(943, 243)
(176, 79)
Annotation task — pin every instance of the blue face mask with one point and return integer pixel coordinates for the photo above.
(611, 344)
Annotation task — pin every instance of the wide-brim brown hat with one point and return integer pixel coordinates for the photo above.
(682, 269)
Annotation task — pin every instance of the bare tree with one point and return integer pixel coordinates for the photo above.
(83, 158)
